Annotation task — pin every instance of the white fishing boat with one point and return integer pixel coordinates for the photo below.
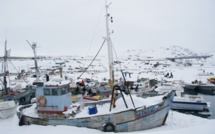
(189, 102)
(182, 101)
(7, 108)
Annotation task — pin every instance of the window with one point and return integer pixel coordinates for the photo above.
(46, 91)
(54, 91)
(63, 90)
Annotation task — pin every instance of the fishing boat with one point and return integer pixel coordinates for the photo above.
(207, 88)
(7, 108)
(189, 102)
(54, 106)
(190, 86)
(7, 93)
(183, 101)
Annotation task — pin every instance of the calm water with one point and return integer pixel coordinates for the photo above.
(211, 99)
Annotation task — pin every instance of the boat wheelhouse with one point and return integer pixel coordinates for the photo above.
(53, 98)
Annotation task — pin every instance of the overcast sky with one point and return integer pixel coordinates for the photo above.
(76, 27)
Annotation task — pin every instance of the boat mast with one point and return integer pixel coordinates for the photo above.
(34, 46)
(109, 45)
(5, 71)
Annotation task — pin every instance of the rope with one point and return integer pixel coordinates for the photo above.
(18, 71)
(95, 29)
(92, 60)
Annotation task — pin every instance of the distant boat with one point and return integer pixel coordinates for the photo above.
(182, 101)
(18, 94)
(189, 102)
(205, 74)
(190, 86)
(207, 88)
(139, 85)
(7, 108)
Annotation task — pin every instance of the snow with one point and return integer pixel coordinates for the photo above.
(120, 106)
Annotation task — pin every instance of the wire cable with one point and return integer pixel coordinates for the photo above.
(18, 72)
(92, 60)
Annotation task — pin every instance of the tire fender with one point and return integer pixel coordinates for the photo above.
(109, 127)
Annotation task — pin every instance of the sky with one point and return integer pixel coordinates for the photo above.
(77, 27)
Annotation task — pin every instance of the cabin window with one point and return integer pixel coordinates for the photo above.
(54, 91)
(63, 90)
(46, 91)
(67, 89)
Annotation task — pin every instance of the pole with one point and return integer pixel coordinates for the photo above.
(110, 51)
(33, 46)
(128, 89)
(5, 71)
(110, 56)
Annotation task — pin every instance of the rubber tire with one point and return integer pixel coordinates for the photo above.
(109, 127)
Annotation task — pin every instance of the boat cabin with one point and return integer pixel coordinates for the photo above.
(139, 85)
(54, 97)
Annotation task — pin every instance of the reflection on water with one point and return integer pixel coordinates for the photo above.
(211, 99)
(203, 114)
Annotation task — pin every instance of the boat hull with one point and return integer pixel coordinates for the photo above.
(7, 110)
(193, 106)
(190, 86)
(23, 97)
(206, 89)
(136, 119)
